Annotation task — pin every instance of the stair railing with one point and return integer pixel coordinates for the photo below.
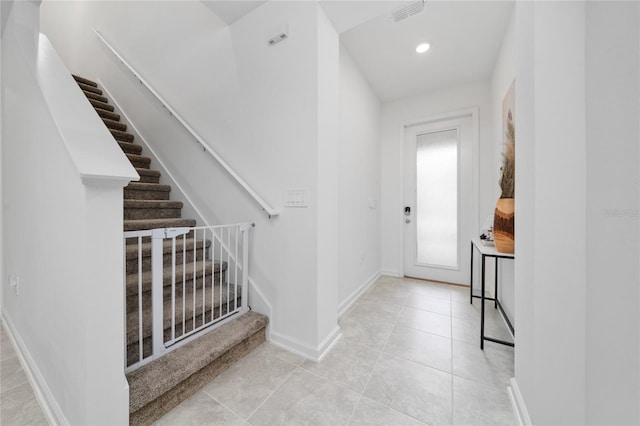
(179, 283)
(271, 212)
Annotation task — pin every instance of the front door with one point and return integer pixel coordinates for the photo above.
(438, 198)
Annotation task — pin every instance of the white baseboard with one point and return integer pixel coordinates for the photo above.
(391, 273)
(362, 288)
(303, 349)
(45, 398)
(518, 405)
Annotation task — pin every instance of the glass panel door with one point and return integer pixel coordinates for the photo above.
(436, 212)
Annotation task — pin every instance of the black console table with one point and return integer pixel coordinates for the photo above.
(488, 251)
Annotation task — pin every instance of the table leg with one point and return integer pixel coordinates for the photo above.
(495, 290)
(482, 305)
(471, 277)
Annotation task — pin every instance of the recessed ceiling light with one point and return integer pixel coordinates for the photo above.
(423, 47)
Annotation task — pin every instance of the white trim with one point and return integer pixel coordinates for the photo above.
(303, 349)
(45, 398)
(472, 112)
(362, 288)
(518, 405)
(328, 343)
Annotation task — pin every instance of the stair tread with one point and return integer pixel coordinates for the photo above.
(132, 249)
(84, 80)
(159, 376)
(112, 124)
(107, 114)
(89, 88)
(206, 267)
(143, 186)
(121, 135)
(148, 172)
(95, 96)
(138, 157)
(130, 148)
(140, 224)
(101, 105)
(152, 204)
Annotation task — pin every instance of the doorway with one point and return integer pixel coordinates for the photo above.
(438, 197)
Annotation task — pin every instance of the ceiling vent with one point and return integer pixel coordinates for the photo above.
(408, 10)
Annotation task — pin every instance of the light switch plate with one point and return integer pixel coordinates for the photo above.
(296, 198)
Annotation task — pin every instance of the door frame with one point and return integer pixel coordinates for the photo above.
(473, 112)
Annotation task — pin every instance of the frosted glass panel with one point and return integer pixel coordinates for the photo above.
(437, 199)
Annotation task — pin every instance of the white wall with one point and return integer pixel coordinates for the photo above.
(359, 173)
(504, 74)
(265, 109)
(613, 274)
(576, 271)
(420, 107)
(62, 223)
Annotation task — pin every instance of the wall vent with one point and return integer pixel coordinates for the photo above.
(408, 10)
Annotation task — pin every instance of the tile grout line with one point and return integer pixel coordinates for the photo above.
(272, 393)
(269, 396)
(395, 324)
(452, 372)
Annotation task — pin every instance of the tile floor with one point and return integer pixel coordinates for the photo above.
(409, 355)
(18, 404)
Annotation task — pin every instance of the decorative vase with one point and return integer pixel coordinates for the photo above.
(503, 225)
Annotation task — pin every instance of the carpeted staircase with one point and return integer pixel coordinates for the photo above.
(160, 385)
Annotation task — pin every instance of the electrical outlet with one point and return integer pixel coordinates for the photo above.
(14, 281)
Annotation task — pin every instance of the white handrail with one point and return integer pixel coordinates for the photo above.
(271, 212)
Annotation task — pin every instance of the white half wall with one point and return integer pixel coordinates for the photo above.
(392, 174)
(62, 232)
(359, 189)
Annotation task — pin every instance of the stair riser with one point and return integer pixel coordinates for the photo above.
(136, 214)
(95, 97)
(114, 125)
(149, 179)
(122, 136)
(132, 349)
(83, 80)
(141, 163)
(132, 318)
(88, 88)
(145, 195)
(148, 240)
(108, 115)
(101, 105)
(130, 148)
(132, 285)
(132, 264)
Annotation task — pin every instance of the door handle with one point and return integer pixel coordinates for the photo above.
(407, 211)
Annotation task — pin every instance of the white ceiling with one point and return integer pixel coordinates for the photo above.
(231, 10)
(465, 39)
